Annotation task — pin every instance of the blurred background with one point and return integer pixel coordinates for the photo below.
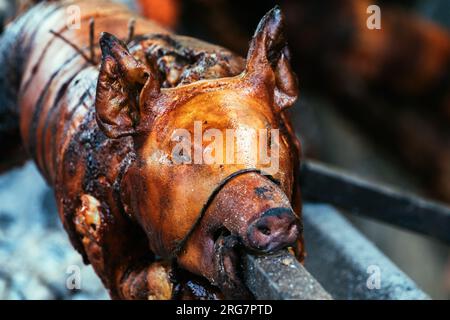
(373, 101)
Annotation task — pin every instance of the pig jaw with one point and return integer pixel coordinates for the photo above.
(249, 213)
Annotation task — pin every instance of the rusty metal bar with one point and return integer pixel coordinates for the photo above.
(281, 277)
(324, 184)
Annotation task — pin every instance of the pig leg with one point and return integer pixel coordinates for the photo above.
(151, 282)
(138, 276)
(121, 274)
(162, 281)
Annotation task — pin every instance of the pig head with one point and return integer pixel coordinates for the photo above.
(195, 185)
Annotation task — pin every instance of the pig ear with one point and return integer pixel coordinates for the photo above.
(121, 81)
(268, 59)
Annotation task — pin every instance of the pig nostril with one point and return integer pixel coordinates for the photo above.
(264, 230)
(275, 228)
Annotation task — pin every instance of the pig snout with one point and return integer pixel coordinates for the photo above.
(250, 212)
(256, 211)
(275, 229)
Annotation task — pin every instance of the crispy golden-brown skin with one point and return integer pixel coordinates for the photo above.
(101, 133)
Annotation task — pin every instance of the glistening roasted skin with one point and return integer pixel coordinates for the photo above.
(101, 136)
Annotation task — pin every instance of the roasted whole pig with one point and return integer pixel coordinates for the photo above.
(96, 107)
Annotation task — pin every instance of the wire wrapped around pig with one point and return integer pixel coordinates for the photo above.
(101, 134)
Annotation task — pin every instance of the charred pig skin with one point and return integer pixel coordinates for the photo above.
(99, 128)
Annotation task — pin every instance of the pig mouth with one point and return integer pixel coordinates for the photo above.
(228, 264)
(228, 251)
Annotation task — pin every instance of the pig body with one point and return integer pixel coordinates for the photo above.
(92, 123)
